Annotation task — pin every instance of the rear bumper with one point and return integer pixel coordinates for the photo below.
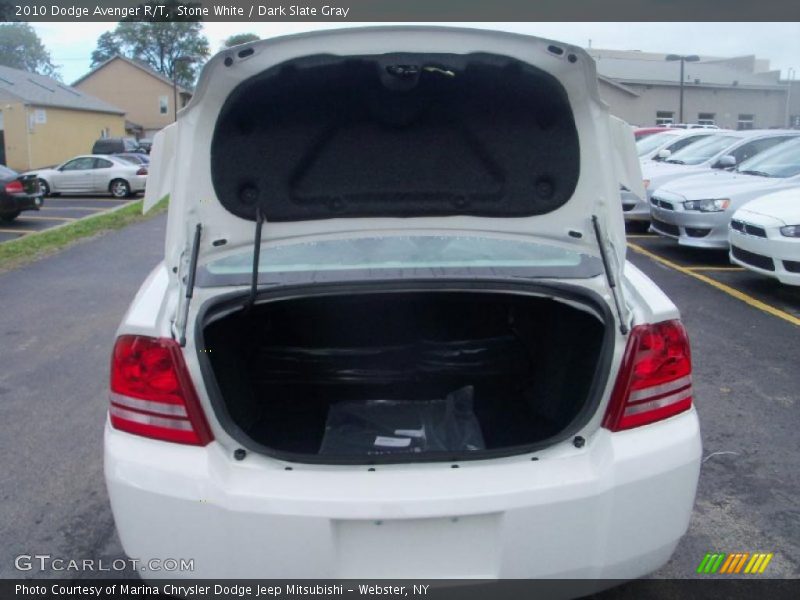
(615, 508)
(11, 203)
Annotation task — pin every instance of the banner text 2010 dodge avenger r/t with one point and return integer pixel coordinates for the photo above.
(441, 281)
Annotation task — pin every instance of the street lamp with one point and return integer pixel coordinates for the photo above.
(684, 59)
(178, 60)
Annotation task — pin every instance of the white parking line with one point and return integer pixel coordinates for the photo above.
(17, 231)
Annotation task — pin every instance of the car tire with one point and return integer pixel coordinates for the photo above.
(44, 187)
(119, 188)
(8, 217)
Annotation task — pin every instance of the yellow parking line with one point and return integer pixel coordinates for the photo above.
(763, 306)
(716, 268)
(641, 236)
(26, 217)
(19, 231)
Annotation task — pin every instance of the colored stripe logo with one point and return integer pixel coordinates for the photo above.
(731, 564)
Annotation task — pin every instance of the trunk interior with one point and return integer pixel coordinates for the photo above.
(395, 376)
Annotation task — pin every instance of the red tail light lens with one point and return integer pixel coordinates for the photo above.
(655, 379)
(152, 394)
(14, 187)
(142, 171)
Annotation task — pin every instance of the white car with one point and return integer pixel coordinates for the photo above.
(697, 210)
(93, 174)
(765, 236)
(442, 364)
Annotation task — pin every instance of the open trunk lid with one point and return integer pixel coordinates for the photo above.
(392, 129)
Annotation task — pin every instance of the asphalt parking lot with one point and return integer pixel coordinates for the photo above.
(59, 318)
(57, 211)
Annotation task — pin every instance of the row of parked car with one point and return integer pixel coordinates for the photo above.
(722, 189)
(105, 171)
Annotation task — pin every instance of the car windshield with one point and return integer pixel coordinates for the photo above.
(780, 161)
(651, 142)
(405, 252)
(702, 151)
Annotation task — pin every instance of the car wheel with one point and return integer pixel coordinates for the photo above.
(120, 188)
(44, 187)
(8, 217)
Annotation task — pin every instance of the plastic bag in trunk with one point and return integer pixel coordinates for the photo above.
(358, 428)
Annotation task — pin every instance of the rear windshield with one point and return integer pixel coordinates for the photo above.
(417, 254)
(781, 161)
(704, 150)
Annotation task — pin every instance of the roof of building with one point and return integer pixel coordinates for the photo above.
(139, 65)
(40, 90)
(662, 72)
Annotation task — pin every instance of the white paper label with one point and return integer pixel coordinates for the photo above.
(392, 442)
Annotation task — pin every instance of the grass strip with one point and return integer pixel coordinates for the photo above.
(32, 247)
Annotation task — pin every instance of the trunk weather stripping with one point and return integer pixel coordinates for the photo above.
(612, 281)
(189, 285)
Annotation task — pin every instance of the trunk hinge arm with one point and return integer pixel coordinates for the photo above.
(610, 277)
(184, 316)
(251, 300)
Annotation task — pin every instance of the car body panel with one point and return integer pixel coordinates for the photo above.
(259, 518)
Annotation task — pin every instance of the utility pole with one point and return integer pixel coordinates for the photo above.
(789, 79)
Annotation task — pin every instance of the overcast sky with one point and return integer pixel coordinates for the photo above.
(71, 44)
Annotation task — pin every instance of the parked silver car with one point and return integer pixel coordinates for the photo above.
(722, 150)
(92, 173)
(696, 210)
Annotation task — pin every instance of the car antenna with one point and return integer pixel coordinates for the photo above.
(190, 283)
(256, 258)
(612, 282)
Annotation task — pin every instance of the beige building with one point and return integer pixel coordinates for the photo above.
(144, 94)
(44, 122)
(734, 93)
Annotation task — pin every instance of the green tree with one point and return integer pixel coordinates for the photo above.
(240, 38)
(159, 43)
(107, 47)
(21, 48)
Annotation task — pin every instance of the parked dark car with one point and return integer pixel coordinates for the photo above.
(17, 193)
(146, 144)
(115, 145)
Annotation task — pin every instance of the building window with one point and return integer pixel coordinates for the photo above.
(163, 104)
(745, 122)
(664, 117)
(794, 121)
(706, 119)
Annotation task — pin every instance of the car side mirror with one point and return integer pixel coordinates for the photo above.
(726, 162)
(663, 154)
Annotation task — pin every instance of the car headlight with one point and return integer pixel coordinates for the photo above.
(710, 205)
(791, 231)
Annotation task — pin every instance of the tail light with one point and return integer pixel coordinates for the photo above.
(655, 379)
(152, 394)
(14, 187)
(142, 171)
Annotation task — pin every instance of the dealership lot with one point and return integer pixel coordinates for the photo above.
(57, 211)
(58, 325)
